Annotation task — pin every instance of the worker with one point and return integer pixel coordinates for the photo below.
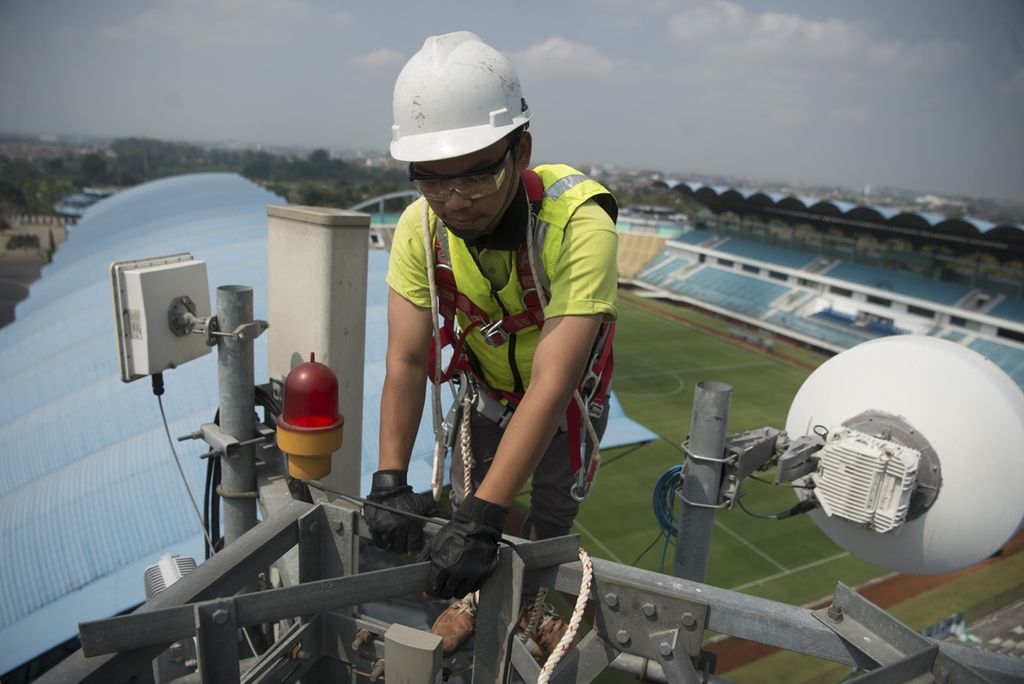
(520, 265)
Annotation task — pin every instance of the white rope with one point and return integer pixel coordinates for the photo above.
(466, 444)
(437, 481)
(574, 622)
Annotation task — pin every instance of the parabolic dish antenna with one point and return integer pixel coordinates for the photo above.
(948, 403)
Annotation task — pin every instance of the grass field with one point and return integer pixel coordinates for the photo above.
(661, 352)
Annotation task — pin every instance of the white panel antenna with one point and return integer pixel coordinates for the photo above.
(154, 300)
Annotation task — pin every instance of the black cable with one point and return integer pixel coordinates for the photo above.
(206, 503)
(604, 464)
(649, 547)
(158, 391)
(211, 498)
(264, 397)
(627, 452)
(366, 502)
(218, 538)
(780, 484)
(800, 507)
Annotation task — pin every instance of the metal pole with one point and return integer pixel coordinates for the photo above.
(701, 479)
(237, 406)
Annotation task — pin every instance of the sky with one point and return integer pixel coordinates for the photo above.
(926, 95)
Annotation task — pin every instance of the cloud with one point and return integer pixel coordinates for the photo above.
(733, 35)
(560, 55)
(230, 23)
(787, 74)
(548, 70)
(719, 21)
(376, 59)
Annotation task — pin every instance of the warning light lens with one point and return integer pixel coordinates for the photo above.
(311, 397)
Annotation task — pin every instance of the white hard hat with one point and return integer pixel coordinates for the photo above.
(455, 96)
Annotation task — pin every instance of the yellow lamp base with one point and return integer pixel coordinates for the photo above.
(309, 453)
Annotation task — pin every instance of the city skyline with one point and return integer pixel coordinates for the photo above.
(924, 96)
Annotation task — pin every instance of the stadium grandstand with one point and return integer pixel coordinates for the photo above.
(831, 274)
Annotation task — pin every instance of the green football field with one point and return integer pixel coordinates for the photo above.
(658, 361)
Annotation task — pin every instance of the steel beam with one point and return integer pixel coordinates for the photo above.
(222, 575)
(902, 652)
(217, 642)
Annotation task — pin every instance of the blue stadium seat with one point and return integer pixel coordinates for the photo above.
(1011, 308)
(1010, 359)
(821, 331)
(695, 237)
(740, 293)
(661, 266)
(756, 250)
(903, 283)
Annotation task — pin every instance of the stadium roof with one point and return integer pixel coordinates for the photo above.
(89, 492)
(965, 226)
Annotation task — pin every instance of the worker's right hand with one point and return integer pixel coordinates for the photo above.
(391, 530)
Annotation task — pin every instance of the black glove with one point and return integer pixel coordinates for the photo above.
(463, 554)
(393, 531)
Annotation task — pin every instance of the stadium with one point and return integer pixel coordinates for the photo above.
(756, 291)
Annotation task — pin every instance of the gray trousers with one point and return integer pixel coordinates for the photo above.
(552, 508)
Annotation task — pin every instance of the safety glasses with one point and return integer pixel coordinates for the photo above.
(472, 185)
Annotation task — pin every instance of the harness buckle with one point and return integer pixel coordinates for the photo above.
(494, 334)
(492, 409)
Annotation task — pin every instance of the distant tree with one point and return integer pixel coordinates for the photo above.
(319, 157)
(259, 167)
(94, 169)
(12, 197)
(56, 166)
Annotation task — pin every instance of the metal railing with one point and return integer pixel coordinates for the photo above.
(637, 614)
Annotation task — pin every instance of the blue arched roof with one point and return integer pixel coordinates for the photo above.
(89, 492)
(936, 222)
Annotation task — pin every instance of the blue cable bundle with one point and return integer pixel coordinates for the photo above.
(664, 499)
(664, 503)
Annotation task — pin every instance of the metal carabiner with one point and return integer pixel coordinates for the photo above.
(493, 333)
(581, 488)
(450, 424)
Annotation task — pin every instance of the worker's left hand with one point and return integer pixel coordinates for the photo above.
(463, 554)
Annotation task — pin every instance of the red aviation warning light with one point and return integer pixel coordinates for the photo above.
(310, 427)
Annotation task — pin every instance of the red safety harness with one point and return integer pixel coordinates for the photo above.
(594, 387)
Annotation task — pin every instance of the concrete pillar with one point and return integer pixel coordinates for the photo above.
(316, 282)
